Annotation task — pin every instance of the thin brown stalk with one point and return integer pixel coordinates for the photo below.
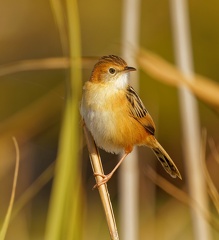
(180, 195)
(204, 88)
(34, 64)
(41, 64)
(214, 150)
(103, 191)
(213, 192)
(11, 203)
(33, 189)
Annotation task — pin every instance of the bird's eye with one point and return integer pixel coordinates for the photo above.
(112, 70)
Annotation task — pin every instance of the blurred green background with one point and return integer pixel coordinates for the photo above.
(32, 104)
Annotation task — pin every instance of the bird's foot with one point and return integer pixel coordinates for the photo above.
(105, 179)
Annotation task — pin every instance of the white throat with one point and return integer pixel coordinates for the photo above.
(122, 81)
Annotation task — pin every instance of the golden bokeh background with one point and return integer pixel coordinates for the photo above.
(32, 105)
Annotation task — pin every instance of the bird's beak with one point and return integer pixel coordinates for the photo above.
(129, 69)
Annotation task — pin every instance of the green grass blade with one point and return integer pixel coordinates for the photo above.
(64, 218)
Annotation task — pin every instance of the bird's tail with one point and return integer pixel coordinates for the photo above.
(166, 160)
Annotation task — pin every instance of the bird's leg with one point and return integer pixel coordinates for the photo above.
(107, 177)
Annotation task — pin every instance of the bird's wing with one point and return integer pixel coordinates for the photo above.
(138, 110)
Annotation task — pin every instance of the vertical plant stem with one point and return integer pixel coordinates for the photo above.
(103, 191)
(190, 118)
(58, 12)
(64, 216)
(128, 179)
(5, 225)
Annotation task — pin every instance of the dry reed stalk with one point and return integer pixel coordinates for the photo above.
(189, 118)
(42, 64)
(11, 203)
(204, 88)
(129, 171)
(214, 150)
(103, 191)
(180, 195)
(213, 192)
(33, 190)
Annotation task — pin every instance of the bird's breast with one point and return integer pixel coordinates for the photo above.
(100, 109)
(106, 114)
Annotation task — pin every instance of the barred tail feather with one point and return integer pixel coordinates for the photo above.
(166, 161)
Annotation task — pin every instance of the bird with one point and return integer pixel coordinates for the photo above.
(116, 116)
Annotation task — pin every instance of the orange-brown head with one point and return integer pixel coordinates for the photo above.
(109, 68)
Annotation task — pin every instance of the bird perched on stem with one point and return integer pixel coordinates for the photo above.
(115, 115)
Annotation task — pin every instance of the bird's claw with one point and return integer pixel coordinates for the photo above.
(105, 179)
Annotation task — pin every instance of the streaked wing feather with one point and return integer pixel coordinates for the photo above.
(138, 110)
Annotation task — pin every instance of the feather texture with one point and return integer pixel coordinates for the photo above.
(138, 110)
